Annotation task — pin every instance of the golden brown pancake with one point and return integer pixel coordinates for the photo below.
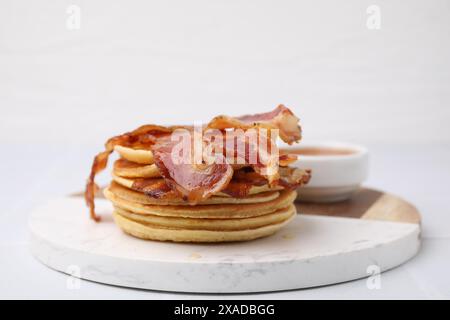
(131, 183)
(213, 211)
(150, 232)
(127, 169)
(210, 224)
(132, 196)
(135, 155)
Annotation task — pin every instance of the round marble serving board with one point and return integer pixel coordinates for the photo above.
(325, 244)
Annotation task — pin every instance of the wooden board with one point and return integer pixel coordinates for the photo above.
(366, 204)
(325, 244)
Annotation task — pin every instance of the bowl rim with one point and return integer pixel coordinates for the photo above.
(360, 151)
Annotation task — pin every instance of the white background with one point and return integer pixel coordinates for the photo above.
(172, 61)
(63, 92)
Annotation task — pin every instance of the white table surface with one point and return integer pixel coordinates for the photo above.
(34, 173)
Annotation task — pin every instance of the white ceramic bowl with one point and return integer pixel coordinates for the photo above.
(334, 177)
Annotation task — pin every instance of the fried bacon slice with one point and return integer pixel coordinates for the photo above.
(286, 159)
(240, 185)
(258, 152)
(280, 118)
(242, 182)
(291, 178)
(193, 181)
(143, 136)
(155, 188)
(244, 179)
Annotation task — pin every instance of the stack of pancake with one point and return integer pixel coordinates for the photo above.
(148, 207)
(222, 217)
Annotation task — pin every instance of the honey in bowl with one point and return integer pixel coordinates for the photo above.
(318, 151)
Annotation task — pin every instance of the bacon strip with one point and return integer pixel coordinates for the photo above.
(252, 148)
(194, 182)
(242, 182)
(291, 178)
(280, 118)
(286, 159)
(239, 186)
(142, 136)
(155, 188)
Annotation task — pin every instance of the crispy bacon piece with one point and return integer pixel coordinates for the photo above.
(253, 149)
(100, 162)
(242, 182)
(239, 186)
(286, 159)
(155, 188)
(280, 118)
(142, 136)
(291, 178)
(194, 182)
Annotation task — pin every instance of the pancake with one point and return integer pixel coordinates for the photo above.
(127, 169)
(150, 232)
(214, 211)
(135, 155)
(140, 198)
(210, 224)
(130, 183)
